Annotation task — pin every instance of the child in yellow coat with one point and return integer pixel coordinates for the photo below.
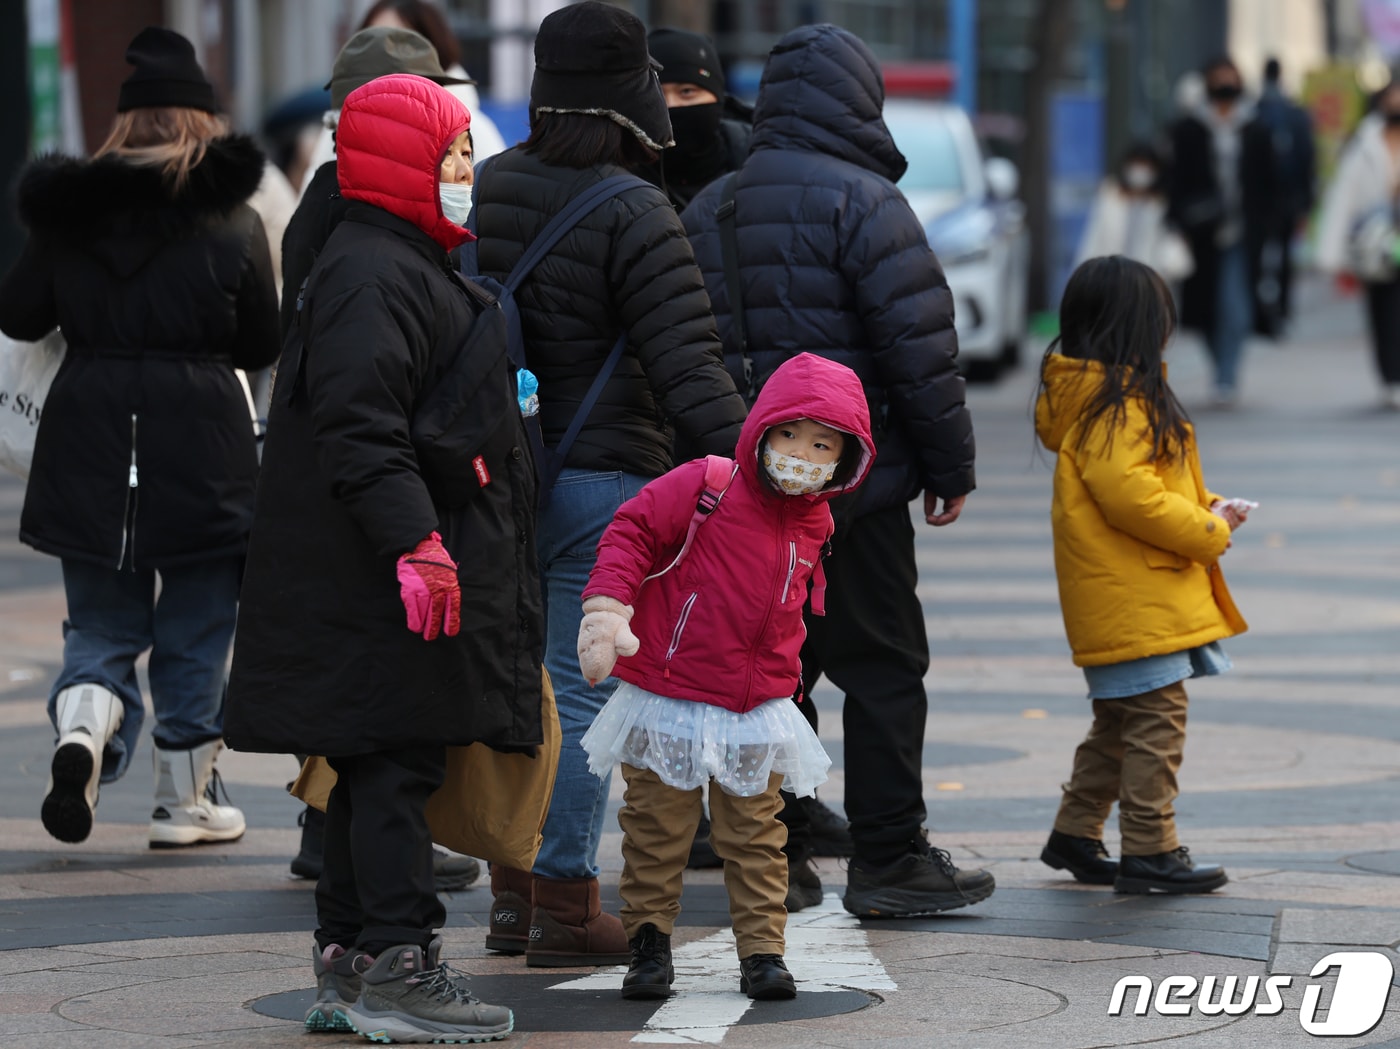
(1138, 537)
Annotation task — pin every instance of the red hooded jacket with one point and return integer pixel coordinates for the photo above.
(389, 144)
(725, 625)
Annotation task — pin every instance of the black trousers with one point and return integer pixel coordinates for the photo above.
(376, 887)
(1383, 315)
(871, 644)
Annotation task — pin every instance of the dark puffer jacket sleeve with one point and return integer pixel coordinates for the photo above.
(257, 340)
(664, 308)
(359, 382)
(903, 300)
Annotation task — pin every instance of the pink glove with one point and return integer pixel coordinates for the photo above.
(429, 589)
(603, 636)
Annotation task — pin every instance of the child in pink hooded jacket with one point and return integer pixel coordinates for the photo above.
(709, 663)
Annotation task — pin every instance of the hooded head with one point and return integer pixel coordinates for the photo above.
(392, 137)
(809, 387)
(592, 58)
(822, 91)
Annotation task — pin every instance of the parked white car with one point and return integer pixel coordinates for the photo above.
(974, 224)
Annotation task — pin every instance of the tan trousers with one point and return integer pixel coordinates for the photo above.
(658, 825)
(1131, 756)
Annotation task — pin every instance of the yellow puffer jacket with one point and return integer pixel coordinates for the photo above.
(1136, 546)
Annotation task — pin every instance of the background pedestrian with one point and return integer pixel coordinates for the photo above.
(150, 260)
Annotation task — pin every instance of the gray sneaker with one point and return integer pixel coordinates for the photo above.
(337, 986)
(407, 995)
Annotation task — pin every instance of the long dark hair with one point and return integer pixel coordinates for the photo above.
(584, 140)
(425, 19)
(1120, 313)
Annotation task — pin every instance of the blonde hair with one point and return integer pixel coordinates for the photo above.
(172, 138)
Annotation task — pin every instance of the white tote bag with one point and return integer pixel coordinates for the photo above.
(26, 373)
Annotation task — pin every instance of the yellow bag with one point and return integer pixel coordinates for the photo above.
(491, 805)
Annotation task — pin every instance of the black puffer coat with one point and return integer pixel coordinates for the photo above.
(627, 264)
(323, 661)
(145, 454)
(833, 262)
(318, 212)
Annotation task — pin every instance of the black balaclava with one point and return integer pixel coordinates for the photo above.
(689, 58)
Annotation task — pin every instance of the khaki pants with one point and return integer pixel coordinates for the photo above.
(658, 825)
(1131, 756)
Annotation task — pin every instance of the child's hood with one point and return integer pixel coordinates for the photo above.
(1069, 384)
(390, 141)
(809, 387)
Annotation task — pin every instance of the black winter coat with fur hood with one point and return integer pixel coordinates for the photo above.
(145, 456)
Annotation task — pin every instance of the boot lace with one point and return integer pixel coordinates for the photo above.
(215, 787)
(647, 945)
(445, 984)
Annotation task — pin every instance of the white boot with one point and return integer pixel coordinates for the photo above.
(88, 716)
(186, 812)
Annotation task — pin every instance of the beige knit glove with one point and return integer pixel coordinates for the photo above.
(603, 636)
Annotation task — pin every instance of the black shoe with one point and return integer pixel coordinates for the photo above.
(307, 862)
(1085, 858)
(829, 833)
(804, 885)
(765, 978)
(651, 973)
(1173, 872)
(922, 881)
(702, 853)
(453, 872)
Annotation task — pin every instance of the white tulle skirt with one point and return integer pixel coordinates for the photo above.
(687, 743)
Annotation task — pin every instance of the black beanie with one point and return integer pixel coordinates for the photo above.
(591, 57)
(687, 58)
(166, 74)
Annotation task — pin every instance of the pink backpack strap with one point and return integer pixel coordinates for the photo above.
(719, 475)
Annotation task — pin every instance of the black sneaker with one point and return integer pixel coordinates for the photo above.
(804, 885)
(1085, 858)
(828, 832)
(765, 978)
(651, 973)
(307, 862)
(1170, 872)
(922, 881)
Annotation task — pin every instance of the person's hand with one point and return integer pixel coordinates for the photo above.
(603, 636)
(1346, 284)
(952, 507)
(1234, 512)
(429, 589)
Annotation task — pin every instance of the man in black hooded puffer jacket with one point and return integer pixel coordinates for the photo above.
(832, 261)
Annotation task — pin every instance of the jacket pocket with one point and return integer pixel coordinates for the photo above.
(678, 632)
(1156, 557)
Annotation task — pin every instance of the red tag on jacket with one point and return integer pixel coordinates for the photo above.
(483, 475)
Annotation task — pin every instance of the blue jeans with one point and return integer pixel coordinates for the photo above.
(581, 506)
(114, 616)
(1234, 317)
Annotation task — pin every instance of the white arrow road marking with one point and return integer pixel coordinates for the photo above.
(827, 951)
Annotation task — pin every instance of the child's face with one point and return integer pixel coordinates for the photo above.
(807, 440)
(457, 165)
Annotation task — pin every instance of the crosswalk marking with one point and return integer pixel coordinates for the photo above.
(827, 951)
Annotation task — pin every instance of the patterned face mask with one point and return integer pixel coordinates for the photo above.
(795, 476)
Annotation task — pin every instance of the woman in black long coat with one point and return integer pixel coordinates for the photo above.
(150, 260)
(391, 606)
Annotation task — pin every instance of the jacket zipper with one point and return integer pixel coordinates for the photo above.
(763, 630)
(792, 567)
(128, 523)
(676, 633)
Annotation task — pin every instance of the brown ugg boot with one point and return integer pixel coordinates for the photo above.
(568, 926)
(510, 910)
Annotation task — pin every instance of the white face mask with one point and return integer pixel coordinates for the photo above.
(1139, 176)
(456, 200)
(795, 476)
